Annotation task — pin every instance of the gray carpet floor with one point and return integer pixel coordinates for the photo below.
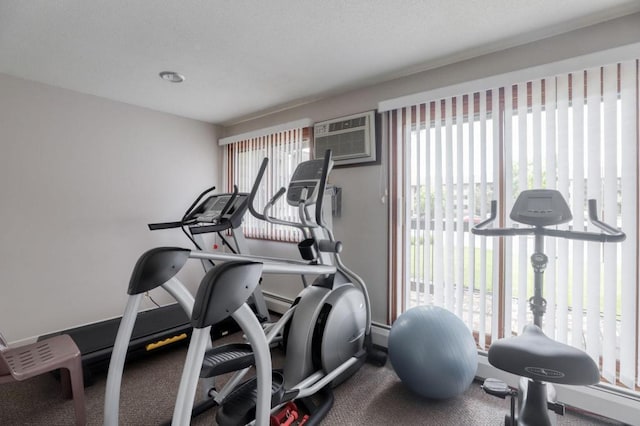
(373, 396)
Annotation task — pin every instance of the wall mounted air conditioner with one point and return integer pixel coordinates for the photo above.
(352, 139)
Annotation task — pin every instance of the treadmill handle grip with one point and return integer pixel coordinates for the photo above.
(165, 225)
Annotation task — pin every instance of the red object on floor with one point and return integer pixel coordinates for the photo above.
(286, 416)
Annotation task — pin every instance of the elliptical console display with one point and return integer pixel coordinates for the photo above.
(305, 183)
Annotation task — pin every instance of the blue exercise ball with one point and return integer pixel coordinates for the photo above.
(433, 352)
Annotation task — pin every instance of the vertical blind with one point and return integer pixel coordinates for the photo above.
(575, 132)
(284, 149)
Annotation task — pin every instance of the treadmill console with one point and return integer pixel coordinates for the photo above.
(210, 210)
(307, 175)
(540, 207)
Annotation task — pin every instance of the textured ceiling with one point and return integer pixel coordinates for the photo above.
(247, 57)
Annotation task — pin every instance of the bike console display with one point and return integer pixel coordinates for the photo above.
(540, 207)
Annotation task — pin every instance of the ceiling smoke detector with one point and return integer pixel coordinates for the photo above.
(172, 76)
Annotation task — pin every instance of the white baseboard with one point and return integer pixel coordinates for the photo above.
(380, 335)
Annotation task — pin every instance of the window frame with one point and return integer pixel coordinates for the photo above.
(294, 145)
(397, 137)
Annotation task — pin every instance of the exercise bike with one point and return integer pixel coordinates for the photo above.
(536, 358)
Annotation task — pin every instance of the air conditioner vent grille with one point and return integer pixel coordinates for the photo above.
(351, 139)
(344, 145)
(348, 124)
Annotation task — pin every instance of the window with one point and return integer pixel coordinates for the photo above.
(285, 149)
(575, 132)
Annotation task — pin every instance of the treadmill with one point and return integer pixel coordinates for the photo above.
(168, 326)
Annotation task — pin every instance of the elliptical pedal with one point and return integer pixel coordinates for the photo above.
(239, 408)
(227, 358)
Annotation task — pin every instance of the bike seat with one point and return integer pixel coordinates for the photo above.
(536, 356)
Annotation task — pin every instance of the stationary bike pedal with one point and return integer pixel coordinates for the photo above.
(498, 388)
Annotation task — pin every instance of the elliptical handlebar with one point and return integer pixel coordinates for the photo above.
(611, 234)
(254, 190)
(322, 187)
(305, 221)
(276, 221)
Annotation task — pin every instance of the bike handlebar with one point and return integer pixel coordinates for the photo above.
(611, 234)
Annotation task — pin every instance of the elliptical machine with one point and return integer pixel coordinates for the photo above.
(326, 332)
(536, 358)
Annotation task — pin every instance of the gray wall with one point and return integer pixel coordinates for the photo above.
(80, 177)
(363, 226)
